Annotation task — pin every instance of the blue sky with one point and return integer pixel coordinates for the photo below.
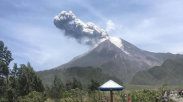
(26, 27)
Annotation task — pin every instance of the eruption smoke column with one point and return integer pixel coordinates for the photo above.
(88, 33)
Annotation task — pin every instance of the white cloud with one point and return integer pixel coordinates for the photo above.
(158, 29)
(110, 26)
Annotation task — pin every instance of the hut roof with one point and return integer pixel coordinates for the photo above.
(110, 85)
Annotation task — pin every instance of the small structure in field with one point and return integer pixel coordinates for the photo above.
(111, 86)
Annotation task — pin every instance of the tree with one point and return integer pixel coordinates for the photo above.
(94, 85)
(5, 54)
(68, 85)
(57, 88)
(13, 77)
(12, 92)
(76, 84)
(5, 59)
(28, 80)
(4, 70)
(2, 87)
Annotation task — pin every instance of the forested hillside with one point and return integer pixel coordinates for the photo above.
(170, 72)
(84, 74)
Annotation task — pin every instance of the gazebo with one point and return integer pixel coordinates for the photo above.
(111, 86)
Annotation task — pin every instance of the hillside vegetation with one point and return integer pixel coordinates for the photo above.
(170, 72)
(84, 74)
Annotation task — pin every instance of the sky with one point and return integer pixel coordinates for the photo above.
(27, 28)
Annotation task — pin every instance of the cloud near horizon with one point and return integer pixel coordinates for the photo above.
(110, 26)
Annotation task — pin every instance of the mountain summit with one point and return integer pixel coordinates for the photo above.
(119, 58)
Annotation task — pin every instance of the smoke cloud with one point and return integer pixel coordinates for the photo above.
(87, 33)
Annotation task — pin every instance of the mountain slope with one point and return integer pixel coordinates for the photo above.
(119, 58)
(170, 72)
(108, 51)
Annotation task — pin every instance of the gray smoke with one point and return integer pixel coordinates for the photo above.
(87, 33)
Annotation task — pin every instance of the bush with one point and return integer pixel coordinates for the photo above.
(32, 97)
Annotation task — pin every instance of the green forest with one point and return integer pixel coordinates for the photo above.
(170, 72)
(83, 74)
(22, 84)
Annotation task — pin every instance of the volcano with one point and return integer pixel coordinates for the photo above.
(119, 58)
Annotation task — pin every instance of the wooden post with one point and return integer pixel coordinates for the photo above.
(111, 95)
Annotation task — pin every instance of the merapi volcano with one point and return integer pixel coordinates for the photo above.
(119, 58)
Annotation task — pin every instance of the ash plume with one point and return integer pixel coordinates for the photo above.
(87, 33)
